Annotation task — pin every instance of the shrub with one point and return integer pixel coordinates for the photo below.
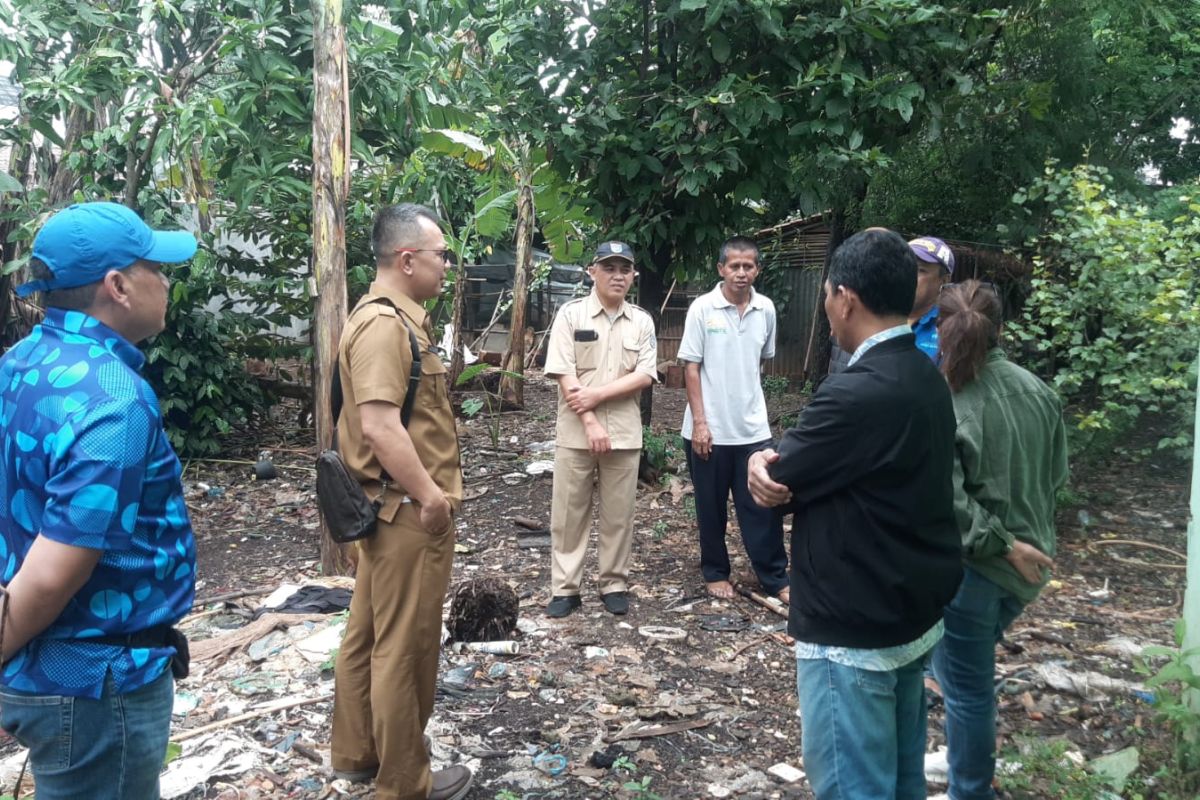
(196, 365)
(1113, 316)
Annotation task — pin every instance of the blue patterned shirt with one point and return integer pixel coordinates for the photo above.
(85, 462)
(926, 331)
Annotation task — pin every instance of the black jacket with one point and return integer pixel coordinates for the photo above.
(876, 552)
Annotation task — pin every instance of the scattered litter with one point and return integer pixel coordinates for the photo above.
(514, 478)
(1117, 767)
(462, 677)
(530, 539)
(318, 648)
(937, 768)
(785, 772)
(723, 622)
(1120, 647)
(540, 447)
(663, 632)
(256, 683)
(504, 648)
(1088, 685)
(184, 702)
(717, 790)
(223, 754)
(553, 764)
(267, 646)
(539, 467)
(592, 651)
(498, 670)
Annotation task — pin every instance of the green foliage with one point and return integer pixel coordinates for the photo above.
(660, 529)
(1175, 683)
(1045, 771)
(775, 385)
(491, 398)
(174, 751)
(661, 451)
(507, 794)
(1113, 319)
(1101, 81)
(203, 388)
(640, 788)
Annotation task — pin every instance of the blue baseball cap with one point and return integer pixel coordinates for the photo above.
(81, 243)
(933, 250)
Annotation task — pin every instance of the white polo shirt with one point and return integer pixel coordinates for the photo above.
(730, 350)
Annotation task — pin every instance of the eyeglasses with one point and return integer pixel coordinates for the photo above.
(446, 255)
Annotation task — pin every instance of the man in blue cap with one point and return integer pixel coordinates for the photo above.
(96, 549)
(935, 265)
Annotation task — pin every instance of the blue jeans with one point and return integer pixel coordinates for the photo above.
(964, 663)
(107, 749)
(862, 731)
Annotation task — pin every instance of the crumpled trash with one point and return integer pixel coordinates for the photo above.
(553, 764)
(1090, 686)
(539, 467)
(222, 754)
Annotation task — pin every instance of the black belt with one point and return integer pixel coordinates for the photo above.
(158, 636)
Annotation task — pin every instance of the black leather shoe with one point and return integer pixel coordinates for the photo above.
(616, 602)
(563, 604)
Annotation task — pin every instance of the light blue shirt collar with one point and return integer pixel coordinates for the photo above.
(882, 336)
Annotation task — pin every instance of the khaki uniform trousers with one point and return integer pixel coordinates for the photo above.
(615, 476)
(386, 674)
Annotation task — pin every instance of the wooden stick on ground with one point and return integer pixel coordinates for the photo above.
(203, 729)
(1135, 543)
(645, 730)
(770, 603)
(528, 523)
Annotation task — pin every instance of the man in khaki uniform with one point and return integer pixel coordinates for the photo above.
(602, 352)
(386, 672)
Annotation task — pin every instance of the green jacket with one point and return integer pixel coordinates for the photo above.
(1012, 459)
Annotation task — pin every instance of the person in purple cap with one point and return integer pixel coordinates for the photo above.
(935, 265)
(96, 550)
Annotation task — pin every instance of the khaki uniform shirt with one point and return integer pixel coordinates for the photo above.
(597, 351)
(375, 359)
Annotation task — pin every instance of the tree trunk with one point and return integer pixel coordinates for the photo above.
(19, 162)
(512, 390)
(63, 184)
(816, 357)
(457, 312)
(331, 185)
(651, 289)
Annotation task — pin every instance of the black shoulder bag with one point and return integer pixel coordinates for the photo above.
(348, 513)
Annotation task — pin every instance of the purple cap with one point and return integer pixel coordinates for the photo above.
(81, 243)
(933, 250)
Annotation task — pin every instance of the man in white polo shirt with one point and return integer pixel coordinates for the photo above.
(728, 333)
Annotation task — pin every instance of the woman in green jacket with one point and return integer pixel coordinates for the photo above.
(1012, 459)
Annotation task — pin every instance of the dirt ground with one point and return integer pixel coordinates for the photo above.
(690, 697)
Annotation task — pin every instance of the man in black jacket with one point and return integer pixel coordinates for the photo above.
(875, 548)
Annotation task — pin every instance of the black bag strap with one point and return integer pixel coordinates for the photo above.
(414, 380)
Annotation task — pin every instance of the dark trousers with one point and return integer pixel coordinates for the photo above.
(762, 528)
